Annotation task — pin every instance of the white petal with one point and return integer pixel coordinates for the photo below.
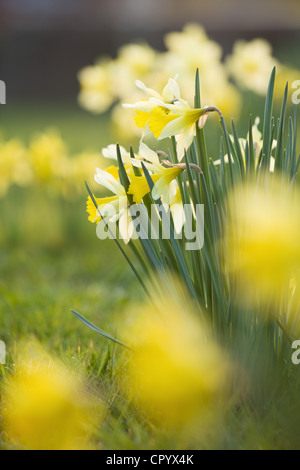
(125, 226)
(160, 188)
(145, 106)
(177, 126)
(148, 154)
(178, 217)
(184, 141)
(149, 91)
(111, 152)
(108, 181)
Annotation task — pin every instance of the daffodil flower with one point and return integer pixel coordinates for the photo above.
(165, 185)
(169, 115)
(161, 176)
(114, 208)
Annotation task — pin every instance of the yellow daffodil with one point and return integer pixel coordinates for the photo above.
(176, 370)
(114, 208)
(45, 406)
(49, 157)
(96, 93)
(251, 64)
(169, 115)
(161, 176)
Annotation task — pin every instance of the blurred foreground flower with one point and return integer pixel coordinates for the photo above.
(176, 371)
(263, 240)
(46, 408)
(14, 165)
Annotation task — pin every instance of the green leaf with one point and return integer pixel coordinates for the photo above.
(101, 332)
(268, 122)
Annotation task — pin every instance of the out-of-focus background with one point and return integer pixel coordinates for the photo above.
(50, 258)
(44, 43)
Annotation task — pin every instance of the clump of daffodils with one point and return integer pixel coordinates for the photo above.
(176, 372)
(111, 82)
(45, 407)
(115, 207)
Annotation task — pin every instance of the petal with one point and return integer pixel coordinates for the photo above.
(174, 127)
(111, 152)
(141, 118)
(148, 154)
(125, 228)
(108, 181)
(184, 141)
(143, 105)
(149, 91)
(178, 217)
(159, 120)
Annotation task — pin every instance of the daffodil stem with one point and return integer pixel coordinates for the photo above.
(183, 166)
(212, 109)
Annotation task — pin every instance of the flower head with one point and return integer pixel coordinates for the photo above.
(169, 115)
(262, 237)
(251, 64)
(45, 406)
(176, 370)
(113, 208)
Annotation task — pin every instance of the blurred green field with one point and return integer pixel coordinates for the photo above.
(81, 130)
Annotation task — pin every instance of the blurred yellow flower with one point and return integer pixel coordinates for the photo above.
(251, 64)
(14, 165)
(193, 46)
(49, 158)
(140, 58)
(263, 240)
(96, 88)
(45, 406)
(285, 74)
(176, 370)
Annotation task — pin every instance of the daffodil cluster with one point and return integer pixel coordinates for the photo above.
(109, 83)
(165, 187)
(46, 162)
